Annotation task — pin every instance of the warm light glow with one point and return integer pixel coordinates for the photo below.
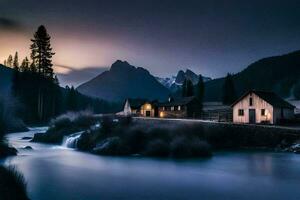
(268, 115)
(148, 106)
(161, 114)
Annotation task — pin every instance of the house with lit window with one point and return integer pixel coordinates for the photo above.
(186, 107)
(261, 107)
(149, 109)
(132, 107)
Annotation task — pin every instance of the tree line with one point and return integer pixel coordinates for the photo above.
(36, 87)
(228, 90)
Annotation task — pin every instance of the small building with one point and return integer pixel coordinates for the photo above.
(261, 107)
(149, 109)
(216, 111)
(132, 107)
(187, 107)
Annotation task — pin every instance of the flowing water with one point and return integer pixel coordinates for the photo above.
(57, 172)
(71, 140)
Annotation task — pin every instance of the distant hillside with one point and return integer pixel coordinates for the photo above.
(175, 82)
(278, 74)
(124, 81)
(5, 79)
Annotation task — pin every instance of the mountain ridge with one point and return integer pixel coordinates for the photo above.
(276, 73)
(123, 81)
(174, 83)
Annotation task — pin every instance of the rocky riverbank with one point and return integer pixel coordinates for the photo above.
(164, 138)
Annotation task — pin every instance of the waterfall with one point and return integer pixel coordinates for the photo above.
(71, 140)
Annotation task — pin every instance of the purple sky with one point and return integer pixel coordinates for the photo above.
(163, 36)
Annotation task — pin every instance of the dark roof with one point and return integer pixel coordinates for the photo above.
(269, 97)
(178, 102)
(136, 103)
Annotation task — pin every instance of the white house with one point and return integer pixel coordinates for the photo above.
(261, 107)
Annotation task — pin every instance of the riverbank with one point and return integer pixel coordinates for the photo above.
(76, 175)
(164, 138)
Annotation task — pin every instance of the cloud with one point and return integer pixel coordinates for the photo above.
(10, 24)
(70, 76)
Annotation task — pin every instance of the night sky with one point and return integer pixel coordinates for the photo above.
(209, 37)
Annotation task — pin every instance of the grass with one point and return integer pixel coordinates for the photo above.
(64, 125)
(131, 138)
(12, 184)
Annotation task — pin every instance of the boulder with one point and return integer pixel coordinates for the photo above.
(110, 146)
(28, 148)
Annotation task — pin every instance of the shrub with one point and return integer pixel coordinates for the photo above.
(84, 119)
(157, 148)
(12, 184)
(125, 121)
(64, 125)
(111, 146)
(135, 140)
(107, 124)
(87, 141)
(182, 147)
(60, 122)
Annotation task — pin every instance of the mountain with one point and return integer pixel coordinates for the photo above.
(5, 79)
(278, 74)
(124, 81)
(175, 82)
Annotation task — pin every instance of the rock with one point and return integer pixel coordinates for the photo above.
(110, 146)
(26, 138)
(294, 148)
(28, 148)
(7, 151)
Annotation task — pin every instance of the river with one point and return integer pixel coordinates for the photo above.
(60, 173)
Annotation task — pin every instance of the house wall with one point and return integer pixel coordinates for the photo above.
(147, 107)
(258, 104)
(166, 112)
(127, 109)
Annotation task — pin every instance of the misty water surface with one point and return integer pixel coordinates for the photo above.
(55, 172)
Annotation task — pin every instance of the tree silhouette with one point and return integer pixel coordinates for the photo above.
(10, 61)
(229, 93)
(200, 91)
(16, 61)
(41, 52)
(187, 88)
(183, 90)
(25, 65)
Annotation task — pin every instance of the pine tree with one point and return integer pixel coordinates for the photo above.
(200, 91)
(16, 61)
(25, 65)
(183, 91)
(72, 103)
(189, 88)
(41, 53)
(229, 94)
(10, 61)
